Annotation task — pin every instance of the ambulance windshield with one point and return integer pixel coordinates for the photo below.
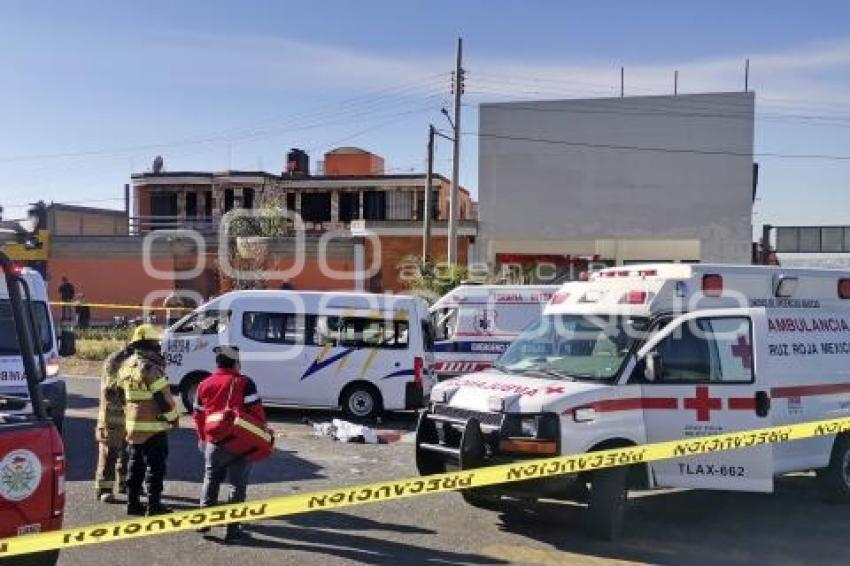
(566, 346)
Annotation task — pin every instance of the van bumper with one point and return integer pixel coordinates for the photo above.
(450, 439)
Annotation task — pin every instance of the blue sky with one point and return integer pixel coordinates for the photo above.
(94, 90)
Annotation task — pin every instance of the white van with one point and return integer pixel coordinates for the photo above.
(643, 354)
(12, 379)
(363, 352)
(476, 323)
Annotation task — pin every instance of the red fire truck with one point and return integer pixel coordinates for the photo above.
(32, 456)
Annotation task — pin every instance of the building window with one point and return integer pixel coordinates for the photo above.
(208, 204)
(191, 205)
(349, 206)
(248, 198)
(228, 200)
(399, 205)
(290, 201)
(435, 204)
(163, 210)
(374, 205)
(316, 207)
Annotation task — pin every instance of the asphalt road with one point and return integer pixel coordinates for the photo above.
(683, 527)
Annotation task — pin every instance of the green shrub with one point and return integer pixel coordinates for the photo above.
(97, 350)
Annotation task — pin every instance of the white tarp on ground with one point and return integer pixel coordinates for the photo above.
(345, 431)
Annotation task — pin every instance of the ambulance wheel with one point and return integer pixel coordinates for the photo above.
(834, 480)
(47, 558)
(607, 505)
(189, 389)
(361, 400)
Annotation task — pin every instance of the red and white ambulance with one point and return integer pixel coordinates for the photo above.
(648, 353)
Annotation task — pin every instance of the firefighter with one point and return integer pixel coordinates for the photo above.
(109, 433)
(150, 414)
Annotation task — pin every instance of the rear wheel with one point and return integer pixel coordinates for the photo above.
(607, 505)
(189, 389)
(834, 480)
(361, 401)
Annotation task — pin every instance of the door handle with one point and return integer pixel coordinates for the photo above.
(762, 403)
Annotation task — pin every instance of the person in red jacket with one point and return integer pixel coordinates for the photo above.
(226, 387)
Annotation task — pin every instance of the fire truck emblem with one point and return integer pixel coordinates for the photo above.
(20, 474)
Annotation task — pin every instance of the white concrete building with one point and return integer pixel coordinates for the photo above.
(660, 178)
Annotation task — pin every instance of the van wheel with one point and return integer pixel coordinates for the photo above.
(607, 505)
(834, 480)
(189, 389)
(361, 401)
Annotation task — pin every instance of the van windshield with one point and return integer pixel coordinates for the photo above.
(8, 336)
(567, 346)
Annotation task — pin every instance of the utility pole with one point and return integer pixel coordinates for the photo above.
(427, 205)
(747, 76)
(457, 87)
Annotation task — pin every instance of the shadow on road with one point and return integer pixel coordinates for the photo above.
(81, 401)
(790, 526)
(306, 534)
(400, 420)
(185, 462)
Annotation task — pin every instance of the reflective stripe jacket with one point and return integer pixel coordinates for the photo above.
(110, 414)
(213, 393)
(149, 406)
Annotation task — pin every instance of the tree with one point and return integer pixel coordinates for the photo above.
(431, 280)
(249, 236)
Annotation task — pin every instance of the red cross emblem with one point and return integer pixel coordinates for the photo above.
(703, 404)
(743, 350)
(552, 389)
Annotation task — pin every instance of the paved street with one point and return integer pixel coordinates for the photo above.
(790, 527)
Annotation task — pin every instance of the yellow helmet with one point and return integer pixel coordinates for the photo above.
(145, 332)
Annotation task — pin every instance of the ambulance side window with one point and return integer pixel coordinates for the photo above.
(445, 323)
(708, 350)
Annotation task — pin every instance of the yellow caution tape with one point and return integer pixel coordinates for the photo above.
(413, 487)
(126, 307)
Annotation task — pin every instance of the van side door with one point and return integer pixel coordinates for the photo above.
(702, 378)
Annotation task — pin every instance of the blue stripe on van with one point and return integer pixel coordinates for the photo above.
(318, 366)
(473, 347)
(400, 373)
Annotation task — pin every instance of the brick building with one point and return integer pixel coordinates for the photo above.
(350, 186)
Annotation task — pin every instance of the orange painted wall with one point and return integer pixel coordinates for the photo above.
(353, 164)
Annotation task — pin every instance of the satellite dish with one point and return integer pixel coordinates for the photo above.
(157, 165)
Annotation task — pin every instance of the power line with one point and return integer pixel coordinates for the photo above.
(696, 151)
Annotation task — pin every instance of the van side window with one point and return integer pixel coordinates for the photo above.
(445, 323)
(277, 327)
(360, 332)
(205, 322)
(708, 350)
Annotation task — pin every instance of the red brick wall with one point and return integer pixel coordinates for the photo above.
(395, 248)
(353, 164)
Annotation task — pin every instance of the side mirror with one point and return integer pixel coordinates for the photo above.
(654, 367)
(67, 343)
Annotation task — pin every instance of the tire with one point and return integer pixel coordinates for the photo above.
(189, 388)
(834, 480)
(361, 401)
(47, 558)
(607, 505)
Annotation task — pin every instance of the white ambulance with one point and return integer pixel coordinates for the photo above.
(13, 383)
(649, 353)
(474, 324)
(363, 352)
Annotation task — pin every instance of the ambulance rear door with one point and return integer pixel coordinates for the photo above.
(702, 378)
